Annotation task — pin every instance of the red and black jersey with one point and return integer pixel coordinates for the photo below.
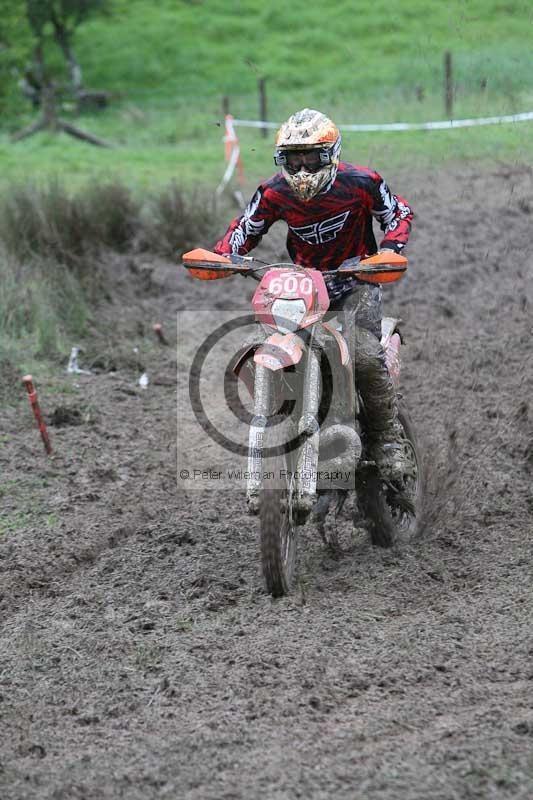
(331, 227)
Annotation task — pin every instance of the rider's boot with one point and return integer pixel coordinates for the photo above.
(384, 430)
(386, 449)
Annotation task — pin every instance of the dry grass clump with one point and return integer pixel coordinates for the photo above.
(53, 245)
(42, 304)
(48, 222)
(174, 222)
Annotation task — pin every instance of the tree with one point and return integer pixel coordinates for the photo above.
(58, 20)
(62, 17)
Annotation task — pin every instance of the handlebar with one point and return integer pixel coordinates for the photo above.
(379, 268)
(350, 265)
(243, 260)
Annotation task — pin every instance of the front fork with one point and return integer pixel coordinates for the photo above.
(308, 426)
(263, 384)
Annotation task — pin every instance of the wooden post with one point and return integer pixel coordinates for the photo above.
(225, 105)
(448, 85)
(27, 380)
(263, 105)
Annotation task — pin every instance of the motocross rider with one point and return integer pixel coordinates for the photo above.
(329, 206)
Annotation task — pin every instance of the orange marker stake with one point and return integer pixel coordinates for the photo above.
(158, 330)
(27, 380)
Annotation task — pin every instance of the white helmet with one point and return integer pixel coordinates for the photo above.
(308, 148)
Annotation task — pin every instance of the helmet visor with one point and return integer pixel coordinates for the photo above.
(294, 160)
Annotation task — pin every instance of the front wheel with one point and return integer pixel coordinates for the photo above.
(394, 511)
(278, 532)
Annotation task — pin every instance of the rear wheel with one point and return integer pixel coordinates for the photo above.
(278, 532)
(394, 510)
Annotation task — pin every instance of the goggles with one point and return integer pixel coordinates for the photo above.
(311, 160)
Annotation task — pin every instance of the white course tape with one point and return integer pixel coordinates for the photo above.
(445, 124)
(230, 169)
(407, 126)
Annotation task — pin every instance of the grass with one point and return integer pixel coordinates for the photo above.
(50, 241)
(169, 65)
(19, 520)
(199, 50)
(52, 245)
(199, 162)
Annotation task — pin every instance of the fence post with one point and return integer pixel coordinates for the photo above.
(448, 85)
(263, 105)
(225, 105)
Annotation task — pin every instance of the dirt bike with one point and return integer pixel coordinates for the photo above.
(307, 442)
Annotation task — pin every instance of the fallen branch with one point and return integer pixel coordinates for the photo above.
(50, 121)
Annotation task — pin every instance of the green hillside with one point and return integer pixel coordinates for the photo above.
(371, 50)
(170, 62)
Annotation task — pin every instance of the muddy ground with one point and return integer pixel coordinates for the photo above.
(140, 657)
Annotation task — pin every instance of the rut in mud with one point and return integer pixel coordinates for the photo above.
(140, 656)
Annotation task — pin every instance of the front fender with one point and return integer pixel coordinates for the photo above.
(341, 342)
(242, 364)
(279, 351)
